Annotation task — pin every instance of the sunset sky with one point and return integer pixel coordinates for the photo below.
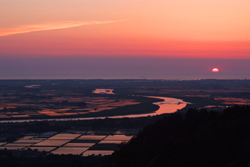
(126, 29)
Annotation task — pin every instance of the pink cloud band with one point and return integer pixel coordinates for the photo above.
(48, 26)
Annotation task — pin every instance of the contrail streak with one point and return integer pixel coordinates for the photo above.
(48, 26)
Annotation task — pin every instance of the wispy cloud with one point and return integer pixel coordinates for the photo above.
(49, 26)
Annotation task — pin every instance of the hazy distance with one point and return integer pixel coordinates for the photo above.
(121, 68)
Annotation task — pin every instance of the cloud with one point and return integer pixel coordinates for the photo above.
(49, 26)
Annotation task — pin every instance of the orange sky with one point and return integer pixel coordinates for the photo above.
(134, 28)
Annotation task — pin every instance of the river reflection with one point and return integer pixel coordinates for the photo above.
(103, 91)
(169, 105)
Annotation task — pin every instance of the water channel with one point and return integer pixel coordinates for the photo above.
(169, 105)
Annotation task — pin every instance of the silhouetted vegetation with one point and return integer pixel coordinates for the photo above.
(8, 159)
(200, 138)
(190, 137)
(17, 130)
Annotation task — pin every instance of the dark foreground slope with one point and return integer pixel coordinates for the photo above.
(201, 138)
(7, 159)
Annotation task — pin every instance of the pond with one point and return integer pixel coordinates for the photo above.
(103, 91)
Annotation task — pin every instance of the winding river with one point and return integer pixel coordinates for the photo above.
(169, 105)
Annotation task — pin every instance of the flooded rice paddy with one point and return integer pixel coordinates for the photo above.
(60, 107)
(71, 106)
(232, 101)
(69, 143)
(169, 105)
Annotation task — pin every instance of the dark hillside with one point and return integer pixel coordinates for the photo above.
(198, 138)
(201, 138)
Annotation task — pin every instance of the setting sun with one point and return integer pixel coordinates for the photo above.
(215, 70)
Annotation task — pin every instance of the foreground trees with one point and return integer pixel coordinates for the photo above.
(200, 138)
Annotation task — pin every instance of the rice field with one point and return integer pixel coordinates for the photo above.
(231, 101)
(118, 138)
(4, 116)
(17, 145)
(69, 150)
(93, 104)
(65, 136)
(69, 143)
(20, 116)
(2, 143)
(91, 137)
(50, 142)
(79, 145)
(28, 141)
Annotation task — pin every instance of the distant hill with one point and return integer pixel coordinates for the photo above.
(200, 138)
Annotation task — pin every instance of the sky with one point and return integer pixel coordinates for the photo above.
(178, 32)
